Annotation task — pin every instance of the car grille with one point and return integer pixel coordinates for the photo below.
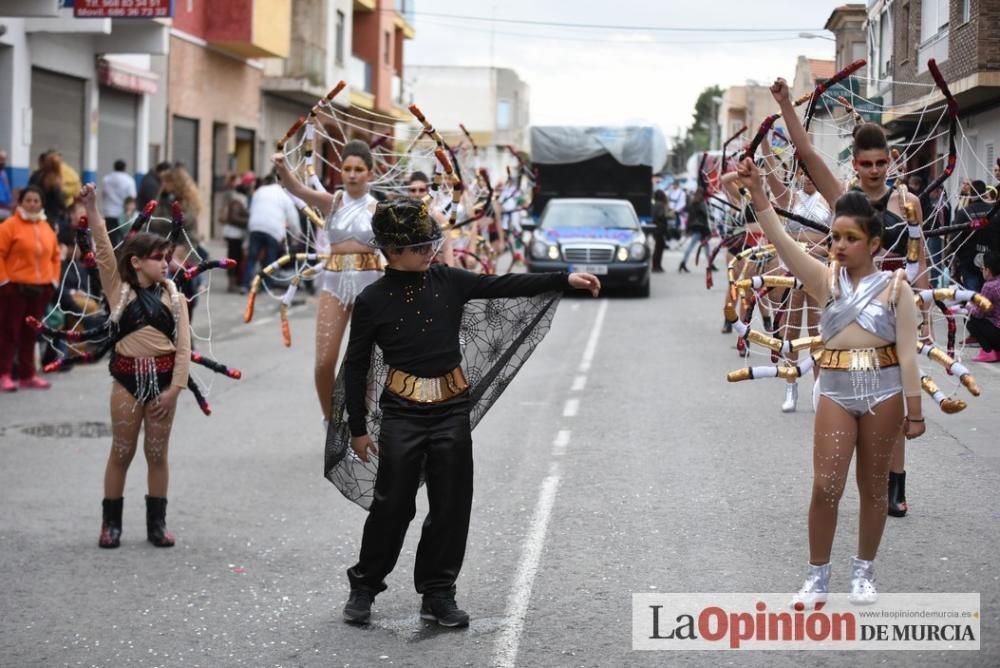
(588, 253)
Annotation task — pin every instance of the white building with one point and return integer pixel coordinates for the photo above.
(92, 88)
(492, 103)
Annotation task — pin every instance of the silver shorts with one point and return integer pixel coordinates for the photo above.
(346, 285)
(858, 392)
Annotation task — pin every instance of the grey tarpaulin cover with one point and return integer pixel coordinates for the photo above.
(497, 336)
(631, 145)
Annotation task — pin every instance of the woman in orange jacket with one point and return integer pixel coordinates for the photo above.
(29, 271)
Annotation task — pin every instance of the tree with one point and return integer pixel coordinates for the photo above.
(698, 137)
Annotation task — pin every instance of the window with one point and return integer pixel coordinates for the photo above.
(885, 46)
(933, 18)
(339, 46)
(965, 11)
(503, 114)
(388, 44)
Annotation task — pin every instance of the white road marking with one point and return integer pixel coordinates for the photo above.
(263, 321)
(505, 653)
(559, 445)
(505, 649)
(595, 334)
(571, 408)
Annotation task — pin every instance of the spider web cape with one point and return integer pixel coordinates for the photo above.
(497, 337)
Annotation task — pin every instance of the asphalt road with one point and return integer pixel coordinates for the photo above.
(619, 462)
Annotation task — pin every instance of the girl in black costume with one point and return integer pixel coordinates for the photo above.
(149, 365)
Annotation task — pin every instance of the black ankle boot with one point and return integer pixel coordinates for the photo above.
(683, 269)
(768, 324)
(897, 494)
(156, 522)
(111, 523)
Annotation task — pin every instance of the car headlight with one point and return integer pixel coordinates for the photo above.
(637, 251)
(553, 252)
(622, 253)
(539, 249)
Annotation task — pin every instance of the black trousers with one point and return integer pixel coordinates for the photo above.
(986, 333)
(438, 441)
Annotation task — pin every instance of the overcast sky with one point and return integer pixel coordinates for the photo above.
(615, 75)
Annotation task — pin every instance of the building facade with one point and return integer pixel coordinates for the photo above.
(215, 78)
(91, 88)
(961, 36)
(493, 104)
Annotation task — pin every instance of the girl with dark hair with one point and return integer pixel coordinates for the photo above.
(871, 162)
(29, 270)
(869, 382)
(149, 365)
(353, 264)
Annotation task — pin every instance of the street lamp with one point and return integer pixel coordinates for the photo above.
(812, 35)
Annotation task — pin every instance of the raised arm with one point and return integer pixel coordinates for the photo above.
(828, 184)
(813, 273)
(104, 250)
(321, 200)
(781, 194)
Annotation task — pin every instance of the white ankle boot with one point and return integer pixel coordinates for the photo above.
(815, 588)
(863, 590)
(791, 398)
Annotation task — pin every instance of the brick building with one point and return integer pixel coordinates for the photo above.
(215, 80)
(961, 36)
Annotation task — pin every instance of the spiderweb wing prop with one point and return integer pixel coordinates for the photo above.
(936, 124)
(497, 337)
(80, 326)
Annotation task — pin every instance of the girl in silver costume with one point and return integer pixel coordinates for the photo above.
(869, 379)
(353, 264)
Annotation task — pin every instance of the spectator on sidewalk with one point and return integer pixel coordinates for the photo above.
(234, 214)
(6, 194)
(178, 186)
(973, 243)
(272, 214)
(677, 199)
(938, 215)
(29, 271)
(116, 187)
(48, 179)
(986, 326)
(149, 187)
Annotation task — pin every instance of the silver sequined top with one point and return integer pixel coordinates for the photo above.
(860, 306)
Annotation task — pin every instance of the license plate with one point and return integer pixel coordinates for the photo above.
(596, 269)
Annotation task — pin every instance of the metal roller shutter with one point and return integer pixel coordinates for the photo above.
(58, 116)
(116, 132)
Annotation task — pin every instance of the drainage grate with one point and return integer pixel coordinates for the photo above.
(68, 430)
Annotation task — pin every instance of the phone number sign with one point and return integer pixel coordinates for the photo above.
(122, 9)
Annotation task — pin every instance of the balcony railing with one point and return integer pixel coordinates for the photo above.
(362, 75)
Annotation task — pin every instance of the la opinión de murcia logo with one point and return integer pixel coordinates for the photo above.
(744, 621)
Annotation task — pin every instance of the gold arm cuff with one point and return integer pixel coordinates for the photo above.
(845, 360)
(982, 302)
(426, 390)
(353, 262)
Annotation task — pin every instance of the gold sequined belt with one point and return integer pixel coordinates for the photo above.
(426, 390)
(850, 360)
(353, 262)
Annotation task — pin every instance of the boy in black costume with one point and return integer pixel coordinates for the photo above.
(413, 314)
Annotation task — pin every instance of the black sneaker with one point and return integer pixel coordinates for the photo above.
(359, 606)
(444, 611)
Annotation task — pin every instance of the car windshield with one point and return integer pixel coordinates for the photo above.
(614, 216)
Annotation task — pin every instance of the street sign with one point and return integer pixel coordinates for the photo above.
(121, 9)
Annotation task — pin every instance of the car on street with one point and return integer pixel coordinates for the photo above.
(597, 236)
